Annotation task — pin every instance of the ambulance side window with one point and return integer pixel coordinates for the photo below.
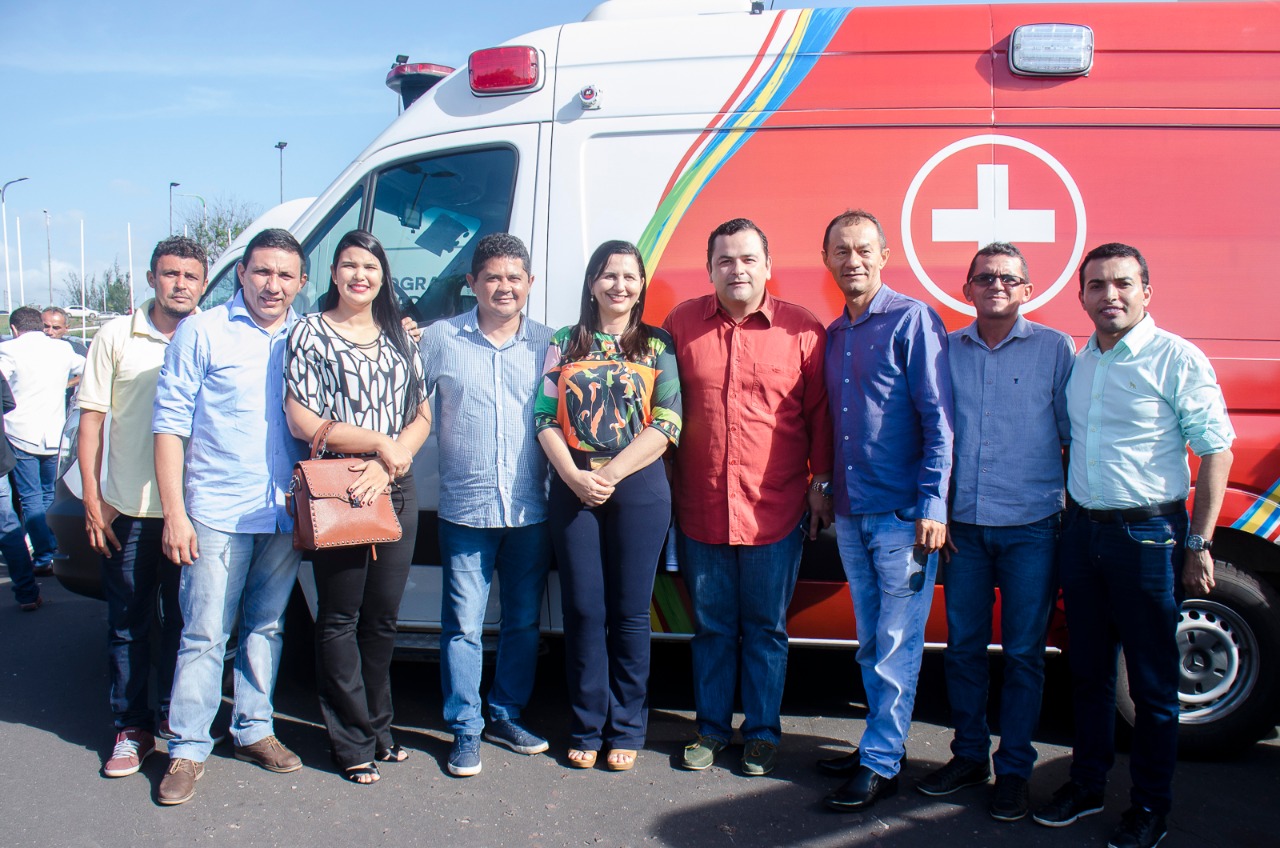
(319, 251)
(429, 213)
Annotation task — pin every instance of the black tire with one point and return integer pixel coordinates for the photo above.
(1229, 685)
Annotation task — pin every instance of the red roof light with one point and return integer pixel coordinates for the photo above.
(505, 70)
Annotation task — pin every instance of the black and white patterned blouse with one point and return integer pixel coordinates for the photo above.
(340, 381)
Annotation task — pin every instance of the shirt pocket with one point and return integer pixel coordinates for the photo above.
(776, 388)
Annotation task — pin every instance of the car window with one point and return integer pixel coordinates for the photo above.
(429, 214)
(221, 288)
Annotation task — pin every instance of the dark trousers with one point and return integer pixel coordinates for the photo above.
(608, 557)
(359, 602)
(1122, 586)
(135, 579)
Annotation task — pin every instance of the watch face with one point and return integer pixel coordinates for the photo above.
(1197, 543)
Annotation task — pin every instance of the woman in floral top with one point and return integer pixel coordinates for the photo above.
(607, 410)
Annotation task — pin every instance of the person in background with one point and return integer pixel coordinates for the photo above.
(353, 363)
(608, 409)
(13, 542)
(224, 461)
(484, 367)
(56, 326)
(1138, 398)
(1008, 378)
(39, 370)
(123, 517)
(755, 461)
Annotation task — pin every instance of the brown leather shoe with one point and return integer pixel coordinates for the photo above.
(269, 754)
(178, 786)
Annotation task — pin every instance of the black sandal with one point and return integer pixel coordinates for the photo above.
(394, 754)
(354, 774)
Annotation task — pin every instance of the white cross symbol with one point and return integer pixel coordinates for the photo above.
(993, 220)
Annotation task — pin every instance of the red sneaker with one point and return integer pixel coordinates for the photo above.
(132, 747)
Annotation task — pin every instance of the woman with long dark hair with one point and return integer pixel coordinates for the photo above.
(354, 363)
(607, 410)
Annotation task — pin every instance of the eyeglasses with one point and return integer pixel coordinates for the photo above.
(915, 580)
(987, 280)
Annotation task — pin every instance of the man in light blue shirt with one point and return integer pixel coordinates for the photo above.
(219, 416)
(1008, 378)
(889, 386)
(484, 367)
(1138, 397)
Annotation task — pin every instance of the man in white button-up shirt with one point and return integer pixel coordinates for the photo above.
(38, 369)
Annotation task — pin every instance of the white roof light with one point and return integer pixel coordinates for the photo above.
(1051, 50)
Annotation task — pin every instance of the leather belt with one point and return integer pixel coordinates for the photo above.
(1132, 514)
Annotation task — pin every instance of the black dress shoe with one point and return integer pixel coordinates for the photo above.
(845, 765)
(861, 791)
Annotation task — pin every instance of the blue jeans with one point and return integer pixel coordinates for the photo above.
(134, 578)
(1122, 586)
(740, 593)
(1020, 561)
(520, 556)
(34, 477)
(878, 552)
(13, 545)
(244, 575)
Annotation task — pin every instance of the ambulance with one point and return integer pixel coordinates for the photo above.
(1056, 127)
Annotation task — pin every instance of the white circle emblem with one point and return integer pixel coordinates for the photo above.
(908, 203)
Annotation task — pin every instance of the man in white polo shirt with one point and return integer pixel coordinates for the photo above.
(122, 511)
(38, 369)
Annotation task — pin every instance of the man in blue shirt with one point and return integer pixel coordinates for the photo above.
(1138, 397)
(484, 366)
(221, 391)
(889, 386)
(1009, 378)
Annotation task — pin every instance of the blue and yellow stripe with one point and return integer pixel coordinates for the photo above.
(1263, 518)
(813, 32)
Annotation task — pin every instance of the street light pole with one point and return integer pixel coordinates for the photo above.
(281, 145)
(172, 186)
(48, 246)
(4, 219)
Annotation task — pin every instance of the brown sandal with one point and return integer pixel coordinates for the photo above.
(625, 764)
(585, 760)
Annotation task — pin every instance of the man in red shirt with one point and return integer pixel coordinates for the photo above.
(752, 478)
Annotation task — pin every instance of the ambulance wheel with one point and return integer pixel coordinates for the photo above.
(1229, 673)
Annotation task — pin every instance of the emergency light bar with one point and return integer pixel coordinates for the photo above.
(505, 70)
(1051, 50)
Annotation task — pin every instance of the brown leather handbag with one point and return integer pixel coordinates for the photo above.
(324, 513)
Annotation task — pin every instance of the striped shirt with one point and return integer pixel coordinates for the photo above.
(493, 472)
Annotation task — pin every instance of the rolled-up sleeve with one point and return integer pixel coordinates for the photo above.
(185, 364)
(1201, 409)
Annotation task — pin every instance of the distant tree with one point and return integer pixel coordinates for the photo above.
(228, 217)
(114, 283)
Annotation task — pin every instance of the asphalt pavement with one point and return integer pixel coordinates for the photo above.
(55, 731)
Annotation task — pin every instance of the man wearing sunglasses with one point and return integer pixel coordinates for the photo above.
(1008, 377)
(889, 386)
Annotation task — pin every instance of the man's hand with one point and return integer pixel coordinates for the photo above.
(1197, 573)
(949, 547)
(179, 540)
(411, 327)
(98, 517)
(930, 535)
(821, 513)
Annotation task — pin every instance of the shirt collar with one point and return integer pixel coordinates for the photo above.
(1021, 329)
(471, 324)
(765, 310)
(1133, 341)
(237, 310)
(141, 324)
(879, 303)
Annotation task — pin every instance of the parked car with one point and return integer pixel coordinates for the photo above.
(957, 125)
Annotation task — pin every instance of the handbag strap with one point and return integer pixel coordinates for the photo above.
(321, 438)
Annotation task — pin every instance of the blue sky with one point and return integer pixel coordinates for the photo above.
(105, 104)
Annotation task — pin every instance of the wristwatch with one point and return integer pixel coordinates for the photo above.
(823, 489)
(1199, 543)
